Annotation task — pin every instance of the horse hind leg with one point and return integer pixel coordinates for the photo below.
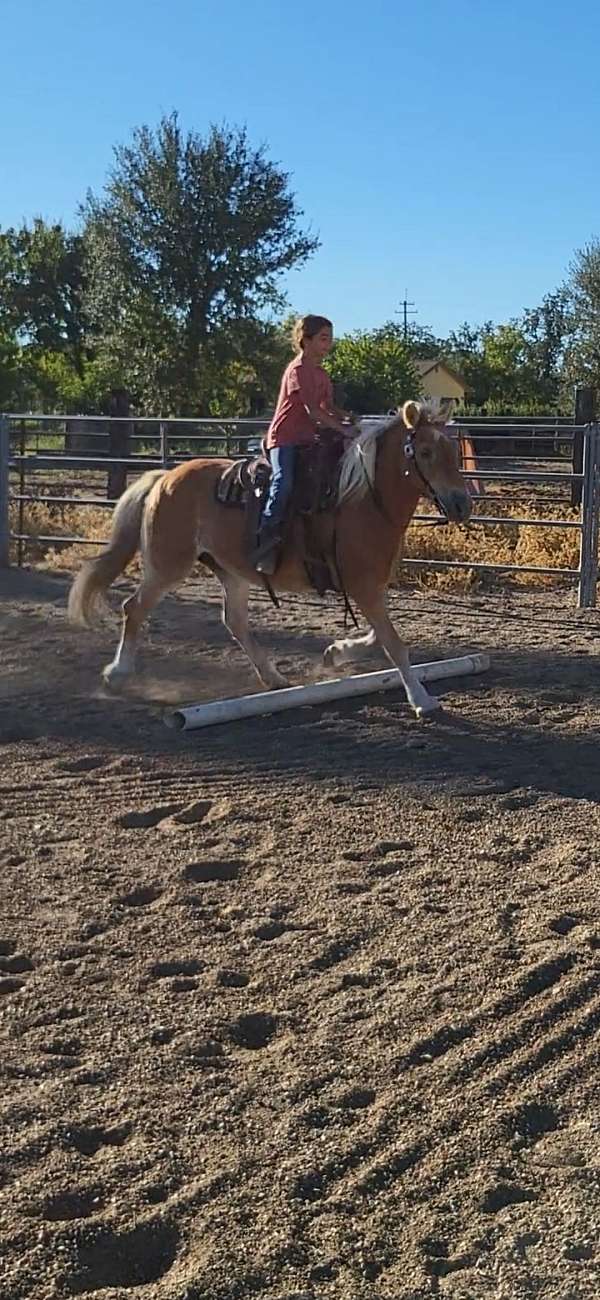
(235, 617)
(135, 611)
(155, 584)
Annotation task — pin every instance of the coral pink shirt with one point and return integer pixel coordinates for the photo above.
(303, 384)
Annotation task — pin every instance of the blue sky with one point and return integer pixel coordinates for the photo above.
(449, 147)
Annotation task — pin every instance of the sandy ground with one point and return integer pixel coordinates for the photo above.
(306, 1006)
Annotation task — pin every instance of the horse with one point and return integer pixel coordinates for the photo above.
(173, 517)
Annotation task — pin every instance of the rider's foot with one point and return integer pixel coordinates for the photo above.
(267, 564)
(267, 551)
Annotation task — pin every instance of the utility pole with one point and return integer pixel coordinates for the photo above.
(406, 305)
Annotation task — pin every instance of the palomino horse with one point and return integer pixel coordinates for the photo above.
(173, 517)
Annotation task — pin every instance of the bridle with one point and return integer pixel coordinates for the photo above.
(410, 452)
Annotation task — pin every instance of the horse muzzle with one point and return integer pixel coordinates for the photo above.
(458, 506)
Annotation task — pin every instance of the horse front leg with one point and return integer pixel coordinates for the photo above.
(375, 612)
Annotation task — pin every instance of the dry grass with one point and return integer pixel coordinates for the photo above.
(58, 521)
(546, 547)
(494, 544)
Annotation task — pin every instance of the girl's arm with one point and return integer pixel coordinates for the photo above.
(321, 415)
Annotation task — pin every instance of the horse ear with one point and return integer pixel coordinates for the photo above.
(411, 414)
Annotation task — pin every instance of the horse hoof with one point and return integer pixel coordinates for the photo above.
(330, 656)
(277, 683)
(427, 712)
(113, 676)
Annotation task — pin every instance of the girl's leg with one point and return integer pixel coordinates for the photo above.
(283, 461)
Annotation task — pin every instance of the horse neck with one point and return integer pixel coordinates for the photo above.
(397, 491)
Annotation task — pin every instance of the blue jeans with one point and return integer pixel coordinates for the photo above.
(283, 462)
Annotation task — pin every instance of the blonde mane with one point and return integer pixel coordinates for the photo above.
(358, 463)
(357, 473)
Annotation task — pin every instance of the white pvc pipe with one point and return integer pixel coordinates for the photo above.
(293, 697)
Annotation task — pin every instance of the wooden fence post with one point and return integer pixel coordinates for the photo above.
(590, 506)
(4, 472)
(119, 431)
(585, 413)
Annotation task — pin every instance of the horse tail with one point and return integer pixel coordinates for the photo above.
(96, 575)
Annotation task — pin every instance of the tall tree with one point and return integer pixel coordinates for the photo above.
(186, 245)
(582, 362)
(547, 331)
(41, 287)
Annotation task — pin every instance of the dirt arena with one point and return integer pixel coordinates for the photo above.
(303, 1008)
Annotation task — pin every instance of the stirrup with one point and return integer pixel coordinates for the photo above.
(267, 558)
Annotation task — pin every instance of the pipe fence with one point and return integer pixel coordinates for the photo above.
(58, 462)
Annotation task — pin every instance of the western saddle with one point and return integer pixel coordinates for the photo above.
(245, 485)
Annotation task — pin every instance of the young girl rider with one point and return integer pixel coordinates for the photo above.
(304, 406)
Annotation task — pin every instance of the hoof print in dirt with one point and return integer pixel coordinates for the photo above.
(232, 979)
(143, 896)
(88, 763)
(194, 812)
(185, 967)
(336, 952)
(89, 1139)
(356, 979)
(204, 873)
(383, 847)
(10, 985)
(254, 1030)
(579, 1253)
(503, 1195)
(533, 1120)
(78, 1203)
(358, 1099)
(127, 1259)
(68, 1047)
(563, 924)
(270, 930)
(17, 965)
(141, 819)
(380, 870)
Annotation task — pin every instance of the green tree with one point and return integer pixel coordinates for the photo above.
(44, 359)
(516, 368)
(548, 330)
(464, 351)
(184, 248)
(582, 290)
(11, 382)
(375, 370)
(41, 284)
(510, 374)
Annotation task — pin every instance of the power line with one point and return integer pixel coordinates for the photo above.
(406, 305)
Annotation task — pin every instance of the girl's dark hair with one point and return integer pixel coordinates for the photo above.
(306, 327)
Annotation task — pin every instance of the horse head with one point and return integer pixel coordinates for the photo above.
(431, 458)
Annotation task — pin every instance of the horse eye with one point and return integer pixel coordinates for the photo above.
(426, 453)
